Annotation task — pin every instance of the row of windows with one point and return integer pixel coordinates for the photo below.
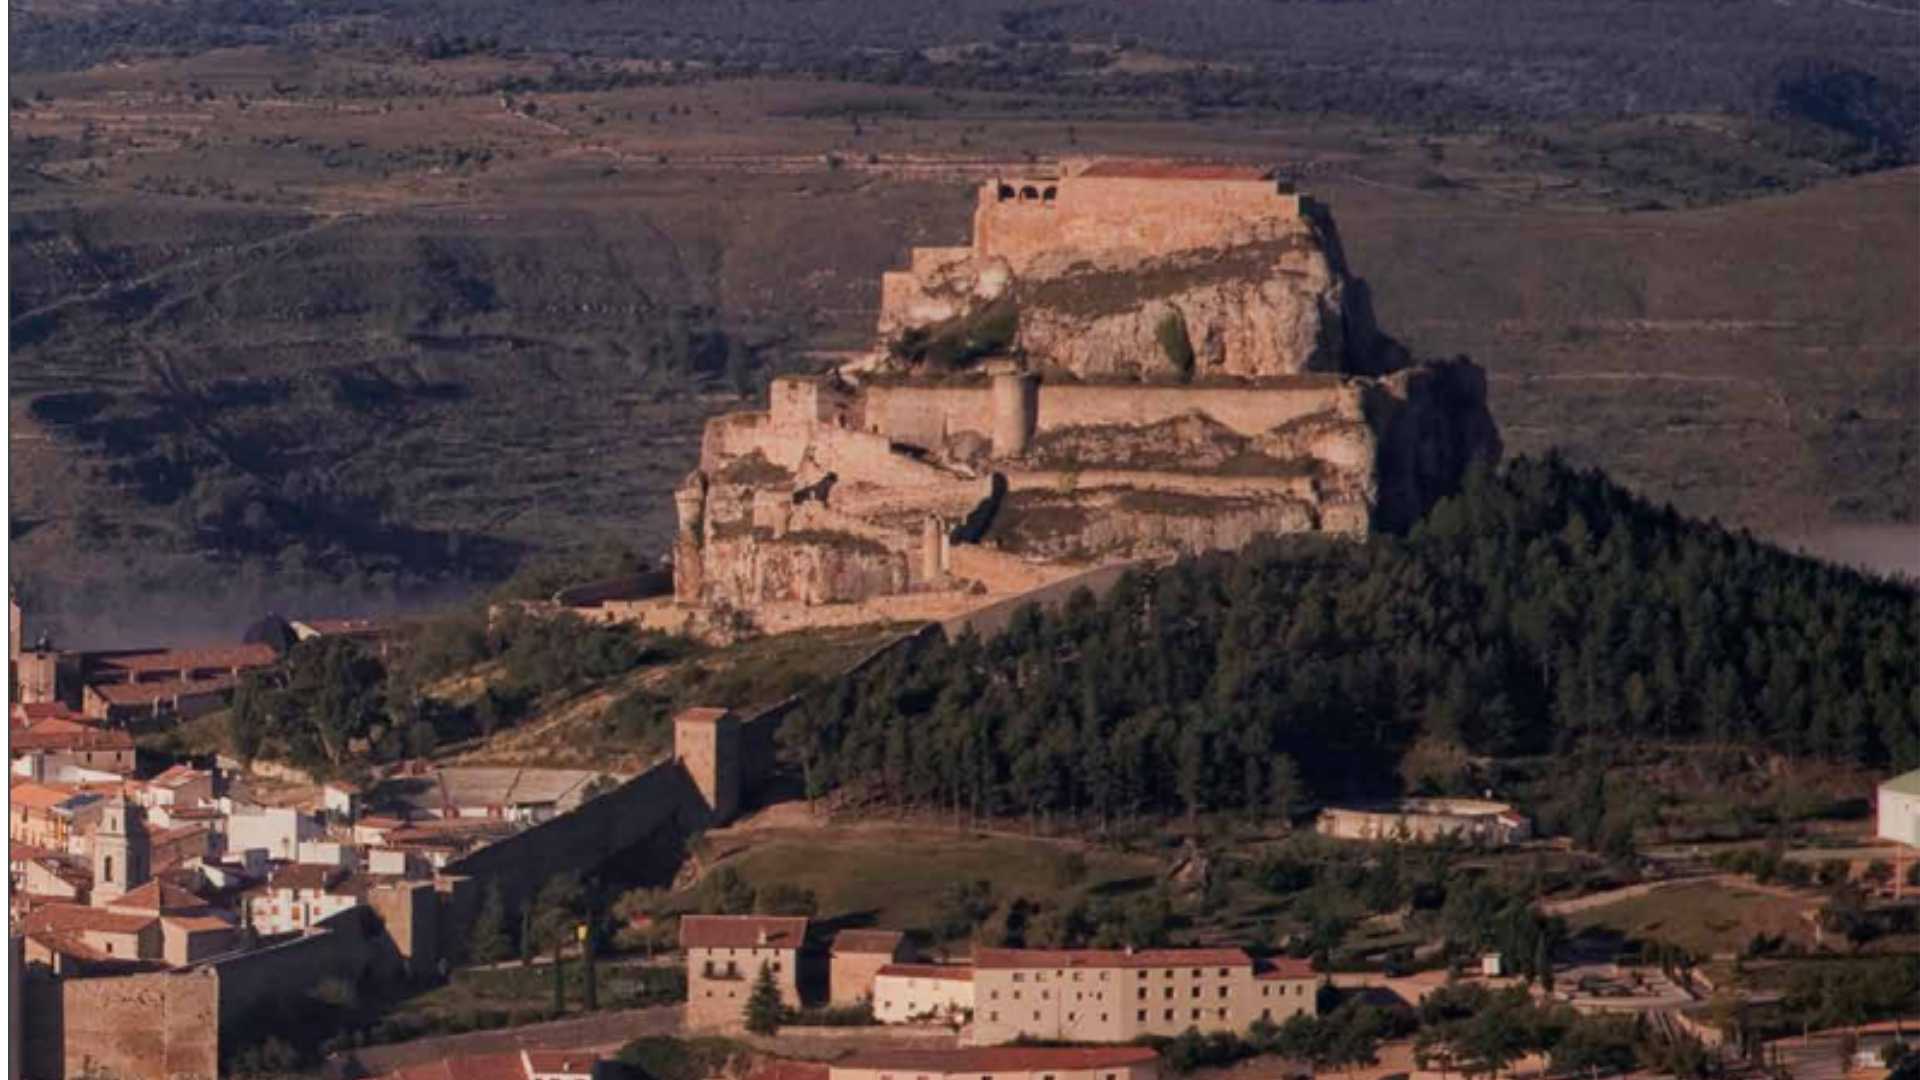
(1165, 973)
(1047, 995)
(712, 970)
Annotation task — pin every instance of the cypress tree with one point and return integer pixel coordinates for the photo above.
(763, 1004)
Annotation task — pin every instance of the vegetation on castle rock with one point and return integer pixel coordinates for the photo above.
(962, 340)
(1171, 332)
(1542, 611)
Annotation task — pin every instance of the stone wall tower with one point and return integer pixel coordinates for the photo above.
(706, 742)
(1016, 406)
(122, 853)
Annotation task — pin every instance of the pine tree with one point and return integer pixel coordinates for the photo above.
(763, 1004)
(489, 943)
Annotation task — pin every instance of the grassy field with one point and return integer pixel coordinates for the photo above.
(896, 876)
(1704, 919)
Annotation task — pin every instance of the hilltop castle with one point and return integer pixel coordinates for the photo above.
(1132, 360)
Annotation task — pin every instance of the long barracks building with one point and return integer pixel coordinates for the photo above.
(1118, 995)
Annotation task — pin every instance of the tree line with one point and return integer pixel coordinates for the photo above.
(1543, 610)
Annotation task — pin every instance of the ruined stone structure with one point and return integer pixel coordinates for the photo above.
(1132, 360)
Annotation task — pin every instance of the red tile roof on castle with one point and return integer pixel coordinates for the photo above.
(742, 931)
(1174, 170)
(867, 941)
(950, 972)
(991, 1059)
(1110, 958)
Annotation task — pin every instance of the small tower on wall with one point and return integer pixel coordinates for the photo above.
(706, 742)
(122, 852)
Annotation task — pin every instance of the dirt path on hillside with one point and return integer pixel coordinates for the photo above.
(601, 1031)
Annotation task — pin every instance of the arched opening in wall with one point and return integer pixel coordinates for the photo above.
(1029, 193)
(1005, 192)
(1047, 195)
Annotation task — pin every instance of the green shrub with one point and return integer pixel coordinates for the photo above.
(1172, 335)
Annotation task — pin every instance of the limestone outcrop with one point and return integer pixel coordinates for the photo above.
(1132, 361)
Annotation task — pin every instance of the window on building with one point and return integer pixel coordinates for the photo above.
(1142, 1017)
(1266, 991)
(1143, 993)
(1036, 1015)
(1196, 991)
(1169, 993)
(1019, 977)
(1016, 995)
(1046, 995)
(1223, 991)
(994, 1016)
(996, 995)
(1169, 1014)
(1196, 973)
(1223, 971)
(1223, 1014)
(1266, 1014)
(1196, 1014)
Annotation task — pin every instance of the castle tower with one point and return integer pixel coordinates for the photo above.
(933, 549)
(1016, 402)
(121, 852)
(690, 503)
(706, 742)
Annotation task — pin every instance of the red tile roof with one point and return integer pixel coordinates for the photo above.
(1110, 958)
(158, 897)
(1174, 170)
(178, 775)
(59, 734)
(950, 972)
(867, 941)
(990, 1059)
(146, 693)
(226, 657)
(25, 713)
(701, 714)
(742, 931)
(1285, 967)
(76, 918)
(38, 796)
(562, 1061)
(306, 876)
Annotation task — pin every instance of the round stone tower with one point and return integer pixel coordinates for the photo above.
(1016, 403)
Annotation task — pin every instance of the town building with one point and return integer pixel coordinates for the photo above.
(154, 925)
(856, 957)
(299, 895)
(910, 993)
(724, 956)
(60, 745)
(48, 815)
(1119, 995)
(1428, 821)
(1002, 1063)
(1899, 821)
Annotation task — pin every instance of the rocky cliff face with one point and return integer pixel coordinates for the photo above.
(1271, 307)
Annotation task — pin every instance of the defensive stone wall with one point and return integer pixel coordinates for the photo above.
(927, 416)
(164, 1024)
(1248, 410)
(621, 820)
(1142, 211)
